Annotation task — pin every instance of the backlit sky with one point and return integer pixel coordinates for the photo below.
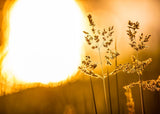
(118, 12)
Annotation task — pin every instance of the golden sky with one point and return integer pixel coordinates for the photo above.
(118, 12)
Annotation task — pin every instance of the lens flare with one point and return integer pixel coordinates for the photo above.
(44, 41)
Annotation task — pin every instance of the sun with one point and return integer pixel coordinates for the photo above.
(44, 41)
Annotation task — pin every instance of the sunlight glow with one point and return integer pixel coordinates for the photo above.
(44, 42)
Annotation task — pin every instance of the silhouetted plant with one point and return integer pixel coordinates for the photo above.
(151, 85)
(99, 39)
(116, 76)
(136, 65)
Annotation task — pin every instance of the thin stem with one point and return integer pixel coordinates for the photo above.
(141, 91)
(94, 101)
(141, 94)
(109, 91)
(99, 51)
(104, 82)
(105, 94)
(117, 77)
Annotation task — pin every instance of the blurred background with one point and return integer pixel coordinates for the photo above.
(74, 96)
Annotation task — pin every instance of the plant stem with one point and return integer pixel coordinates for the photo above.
(141, 91)
(94, 101)
(141, 94)
(109, 92)
(105, 94)
(117, 77)
(104, 83)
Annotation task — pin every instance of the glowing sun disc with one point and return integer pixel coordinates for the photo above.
(44, 42)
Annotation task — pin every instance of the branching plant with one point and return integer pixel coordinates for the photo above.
(151, 85)
(136, 65)
(99, 40)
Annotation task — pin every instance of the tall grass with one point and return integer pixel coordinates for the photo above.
(117, 76)
(94, 101)
(151, 85)
(136, 66)
(100, 40)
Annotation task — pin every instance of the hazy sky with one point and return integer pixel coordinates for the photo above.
(118, 12)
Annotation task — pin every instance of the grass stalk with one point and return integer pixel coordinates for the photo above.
(141, 92)
(109, 93)
(117, 77)
(94, 101)
(104, 83)
(105, 95)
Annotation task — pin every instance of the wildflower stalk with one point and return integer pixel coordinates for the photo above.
(151, 85)
(141, 91)
(110, 106)
(138, 44)
(105, 94)
(136, 66)
(98, 39)
(117, 77)
(94, 101)
(104, 82)
(141, 94)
